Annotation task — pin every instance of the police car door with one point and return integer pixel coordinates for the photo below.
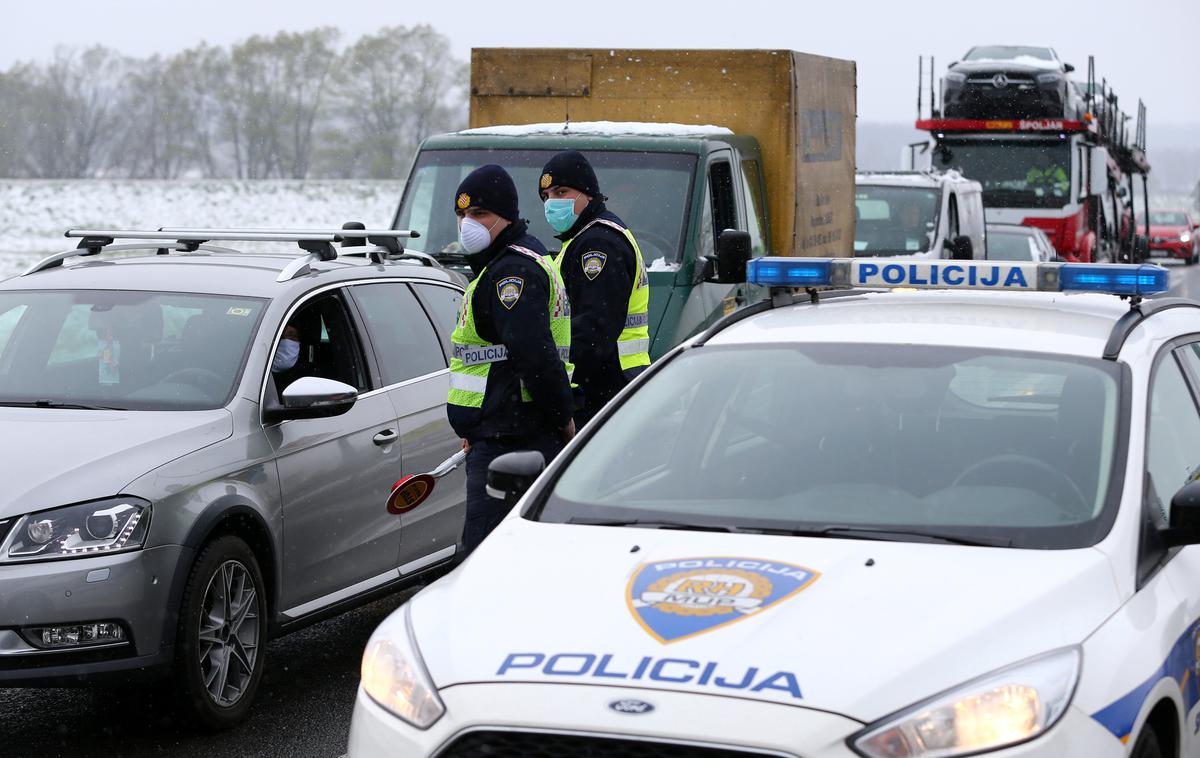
(411, 340)
(336, 473)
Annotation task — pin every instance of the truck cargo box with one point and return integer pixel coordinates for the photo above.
(800, 108)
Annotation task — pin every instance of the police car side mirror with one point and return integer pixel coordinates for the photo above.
(511, 475)
(313, 397)
(1184, 525)
(733, 253)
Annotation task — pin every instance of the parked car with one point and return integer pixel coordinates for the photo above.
(921, 214)
(1010, 81)
(1014, 242)
(175, 493)
(1175, 234)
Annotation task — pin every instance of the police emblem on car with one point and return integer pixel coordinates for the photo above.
(681, 598)
(509, 289)
(627, 705)
(593, 263)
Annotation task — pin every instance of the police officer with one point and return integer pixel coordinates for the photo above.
(509, 376)
(605, 276)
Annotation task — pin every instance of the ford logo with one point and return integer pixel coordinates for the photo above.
(631, 706)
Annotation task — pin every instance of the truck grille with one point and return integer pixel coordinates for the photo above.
(503, 744)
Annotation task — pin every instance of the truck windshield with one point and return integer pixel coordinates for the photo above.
(998, 447)
(1014, 173)
(649, 191)
(122, 349)
(894, 220)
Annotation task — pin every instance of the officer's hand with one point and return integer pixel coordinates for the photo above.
(466, 445)
(568, 431)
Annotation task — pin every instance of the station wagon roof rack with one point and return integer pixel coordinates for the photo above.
(318, 243)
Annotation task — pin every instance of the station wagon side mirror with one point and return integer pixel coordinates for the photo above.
(733, 253)
(1184, 525)
(313, 397)
(961, 248)
(1068, 68)
(511, 475)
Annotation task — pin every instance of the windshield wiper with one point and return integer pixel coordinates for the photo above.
(651, 524)
(58, 405)
(888, 535)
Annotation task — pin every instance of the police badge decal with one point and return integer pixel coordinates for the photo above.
(593, 263)
(509, 289)
(677, 599)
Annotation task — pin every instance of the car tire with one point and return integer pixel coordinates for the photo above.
(222, 635)
(1147, 745)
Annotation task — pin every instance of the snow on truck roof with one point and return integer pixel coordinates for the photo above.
(601, 128)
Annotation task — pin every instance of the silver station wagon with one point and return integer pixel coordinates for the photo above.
(200, 448)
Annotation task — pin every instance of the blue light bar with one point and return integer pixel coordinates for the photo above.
(900, 273)
(1113, 278)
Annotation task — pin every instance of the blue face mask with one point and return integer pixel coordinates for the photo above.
(560, 214)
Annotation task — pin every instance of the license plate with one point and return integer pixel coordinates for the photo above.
(1158, 253)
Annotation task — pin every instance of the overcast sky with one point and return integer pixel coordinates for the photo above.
(1146, 48)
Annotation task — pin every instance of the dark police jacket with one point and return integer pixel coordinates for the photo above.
(524, 329)
(599, 304)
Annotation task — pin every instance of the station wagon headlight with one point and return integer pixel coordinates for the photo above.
(394, 675)
(1006, 707)
(75, 531)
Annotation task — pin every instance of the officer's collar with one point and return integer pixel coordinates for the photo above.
(511, 234)
(593, 209)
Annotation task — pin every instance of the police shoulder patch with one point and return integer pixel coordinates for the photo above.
(593, 263)
(508, 290)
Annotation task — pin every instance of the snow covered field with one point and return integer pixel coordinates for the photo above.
(34, 214)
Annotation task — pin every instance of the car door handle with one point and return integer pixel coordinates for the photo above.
(386, 437)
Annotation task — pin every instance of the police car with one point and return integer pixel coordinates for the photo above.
(854, 523)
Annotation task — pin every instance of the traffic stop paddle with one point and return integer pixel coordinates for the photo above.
(414, 489)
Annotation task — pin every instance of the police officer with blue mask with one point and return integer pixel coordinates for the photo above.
(509, 375)
(606, 280)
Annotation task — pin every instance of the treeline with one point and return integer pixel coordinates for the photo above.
(292, 106)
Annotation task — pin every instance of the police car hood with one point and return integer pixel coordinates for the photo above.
(59, 456)
(856, 627)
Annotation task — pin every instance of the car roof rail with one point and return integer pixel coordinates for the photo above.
(386, 241)
(1136, 314)
(318, 243)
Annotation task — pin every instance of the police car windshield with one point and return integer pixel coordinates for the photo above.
(1014, 173)
(123, 350)
(648, 191)
(894, 220)
(995, 447)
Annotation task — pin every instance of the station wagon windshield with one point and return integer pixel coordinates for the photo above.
(999, 448)
(648, 191)
(122, 349)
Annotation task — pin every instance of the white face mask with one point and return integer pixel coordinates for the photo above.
(474, 236)
(285, 355)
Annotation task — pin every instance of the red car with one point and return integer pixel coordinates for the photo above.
(1174, 233)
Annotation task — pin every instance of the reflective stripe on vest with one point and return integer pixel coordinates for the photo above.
(633, 345)
(473, 356)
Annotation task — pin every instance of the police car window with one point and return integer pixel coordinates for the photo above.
(1173, 448)
(1015, 448)
(405, 343)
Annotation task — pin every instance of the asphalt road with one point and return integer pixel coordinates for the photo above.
(303, 707)
(304, 703)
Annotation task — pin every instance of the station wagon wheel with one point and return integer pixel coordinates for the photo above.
(222, 634)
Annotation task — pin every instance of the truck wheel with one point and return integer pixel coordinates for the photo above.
(222, 634)
(1147, 745)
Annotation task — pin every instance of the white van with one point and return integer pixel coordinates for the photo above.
(921, 214)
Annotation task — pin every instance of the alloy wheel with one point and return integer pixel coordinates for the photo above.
(229, 633)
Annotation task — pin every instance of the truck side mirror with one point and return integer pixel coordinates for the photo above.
(733, 253)
(510, 475)
(1184, 525)
(961, 248)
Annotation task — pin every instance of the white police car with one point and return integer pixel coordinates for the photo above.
(935, 523)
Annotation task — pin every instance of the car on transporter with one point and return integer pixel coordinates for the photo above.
(876, 524)
(176, 494)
